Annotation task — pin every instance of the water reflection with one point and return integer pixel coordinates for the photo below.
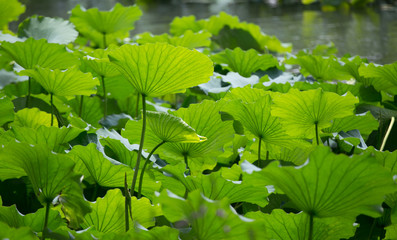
(370, 33)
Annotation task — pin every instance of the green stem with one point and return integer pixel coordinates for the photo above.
(47, 213)
(259, 152)
(104, 40)
(317, 138)
(28, 96)
(185, 159)
(105, 104)
(52, 109)
(371, 229)
(127, 206)
(387, 134)
(93, 196)
(311, 226)
(81, 105)
(137, 106)
(138, 160)
(144, 166)
(267, 155)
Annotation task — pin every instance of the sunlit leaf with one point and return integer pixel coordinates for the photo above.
(208, 219)
(334, 185)
(385, 77)
(159, 69)
(64, 83)
(10, 11)
(7, 232)
(301, 112)
(105, 27)
(108, 213)
(7, 110)
(281, 225)
(245, 62)
(32, 118)
(55, 30)
(32, 53)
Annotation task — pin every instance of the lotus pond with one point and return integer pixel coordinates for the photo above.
(214, 130)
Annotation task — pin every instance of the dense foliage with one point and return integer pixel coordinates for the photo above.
(214, 131)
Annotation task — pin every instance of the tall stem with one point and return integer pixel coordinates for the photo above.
(317, 138)
(267, 155)
(127, 205)
(259, 152)
(105, 104)
(185, 158)
(138, 160)
(387, 134)
(311, 226)
(104, 40)
(144, 167)
(28, 96)
(81, 105)
(52, 109)
(47, 213)
(137, 106)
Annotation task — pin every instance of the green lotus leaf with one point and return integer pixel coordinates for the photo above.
(208, 219)
(7, 232)
(55, 30)
(105, 27)
(391, 231)
(32, 118)
(384, 77)
(97, 62)
(50, 174)
(10, 11)
(301, 113)
(245, 62)
(170, 128)
(120, 151)
(387, 159)
(35, 221)
(189, 39)
(339, 88)
(7, 110)
(215, 187)
(334, 185)
(248, 94)
(159, 69)
(54, 138)
(281, 225)
(364, 123)
(321, 68)
(108, 213)
(32, 53)
(90, 111)
(64, 83)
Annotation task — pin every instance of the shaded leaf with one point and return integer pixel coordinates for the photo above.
(365, 123)
(6, 110)
(159, 69)
(10, 11)
(55, 30)
(189, 39)
(384, 77)
(7, 232)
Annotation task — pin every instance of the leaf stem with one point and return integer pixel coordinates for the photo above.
(371, 229)
(81, 105)
(105, 104)
(185, 159)
(47, 213)
(144, 166)
(311, 226)
(137, 106)
(317, 137)
(104, 40)
(138, 160)
(52, 109)
(127, 206)
(259, 152)
(387, 134)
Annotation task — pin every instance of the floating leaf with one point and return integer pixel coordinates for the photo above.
(208, 219)
(281, 225)
(55, 30)
(10, 11)
(105, 27)
(64, 83)
(189, 39)
(32, 53)
(302, 112)
(159, 69)
(384, 77)
(245, 62)
(334, 185)
(32, 118)
(108, 213)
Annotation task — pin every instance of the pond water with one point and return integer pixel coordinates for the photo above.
(370, 33)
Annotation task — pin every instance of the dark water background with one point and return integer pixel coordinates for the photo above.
(370, 32)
